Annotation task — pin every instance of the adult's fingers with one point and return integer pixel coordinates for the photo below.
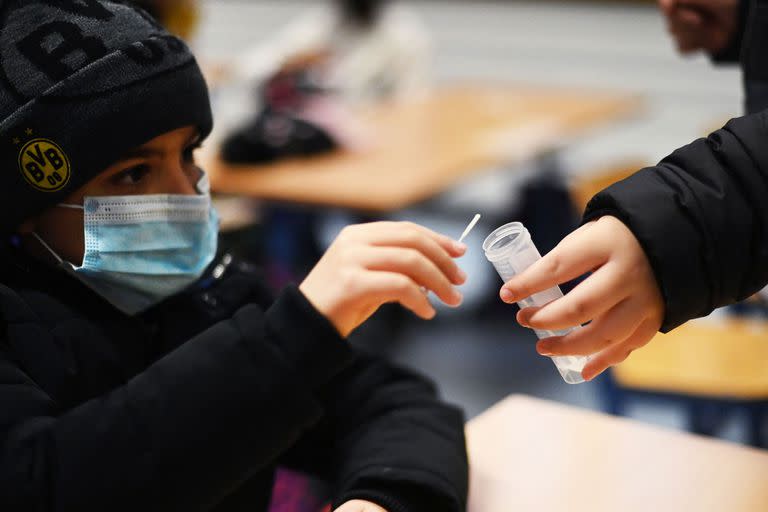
(413, 264)
(689, 32)
(687, 43)
(618, 352)
(592, 297)
(691, 16)
(577, 254)
(613, 326)
(667, 5)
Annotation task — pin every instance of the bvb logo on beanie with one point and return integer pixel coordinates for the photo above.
(81, 83)
(44, 164)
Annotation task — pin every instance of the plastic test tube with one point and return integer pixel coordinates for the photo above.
(510, 249)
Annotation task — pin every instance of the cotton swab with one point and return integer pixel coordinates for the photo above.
(461, 238)
(469, 227)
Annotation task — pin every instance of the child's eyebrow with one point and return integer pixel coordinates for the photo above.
(141, 152)
(147, 152)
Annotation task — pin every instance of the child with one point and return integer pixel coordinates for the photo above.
(138, 369)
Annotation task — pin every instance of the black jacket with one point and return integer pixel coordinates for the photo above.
(754, 57)
(701, 214)
(192, 405)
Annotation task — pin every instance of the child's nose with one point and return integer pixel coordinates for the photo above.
(179, 181)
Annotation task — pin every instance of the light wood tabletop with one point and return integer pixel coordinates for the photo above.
(718, 358)
(532, 455)
(421, 148)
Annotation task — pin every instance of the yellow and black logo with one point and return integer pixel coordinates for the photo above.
(44, 165)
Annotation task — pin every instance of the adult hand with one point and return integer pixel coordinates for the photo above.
(372, 264)
(621, 298)
(707, 25)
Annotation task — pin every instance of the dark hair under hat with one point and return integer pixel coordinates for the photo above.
(81, 83)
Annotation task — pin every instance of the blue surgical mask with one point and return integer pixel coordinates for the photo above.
(141, 249)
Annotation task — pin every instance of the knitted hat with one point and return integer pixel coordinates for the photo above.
(81, 83)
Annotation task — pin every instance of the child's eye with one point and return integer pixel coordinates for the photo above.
(189, 152)
(132, 176)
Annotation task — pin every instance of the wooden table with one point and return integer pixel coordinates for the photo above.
(422, 148)
(725, 358)
(531, 455)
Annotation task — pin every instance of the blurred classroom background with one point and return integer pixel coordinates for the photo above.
(478, 354)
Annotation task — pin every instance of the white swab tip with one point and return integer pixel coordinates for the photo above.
(469, 227)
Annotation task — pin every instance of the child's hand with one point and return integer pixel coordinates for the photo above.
(372, 264)
(360, 506)
(621, 297)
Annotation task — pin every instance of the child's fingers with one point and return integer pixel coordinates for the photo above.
(359, 506)
(613, 326)
(387, 236)
(619, 351)
(379, 232)
(383, 287)
(351, 507)
(592, 297)
(415, 265)
(577, 254)
(453, 247)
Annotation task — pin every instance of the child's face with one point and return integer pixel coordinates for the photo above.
(164, 165)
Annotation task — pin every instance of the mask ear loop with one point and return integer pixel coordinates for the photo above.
(203, 185)
(48, 247)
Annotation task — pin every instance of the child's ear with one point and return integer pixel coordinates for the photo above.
(28, 226)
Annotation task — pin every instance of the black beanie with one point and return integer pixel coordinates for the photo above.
(81, 83)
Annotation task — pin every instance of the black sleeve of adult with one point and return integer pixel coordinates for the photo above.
(396, 443)
(701, 215)
(731, 54)
(181, 434)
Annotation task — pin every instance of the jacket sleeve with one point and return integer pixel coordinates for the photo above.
(181, 434)
(701, 215)
(389, 440)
